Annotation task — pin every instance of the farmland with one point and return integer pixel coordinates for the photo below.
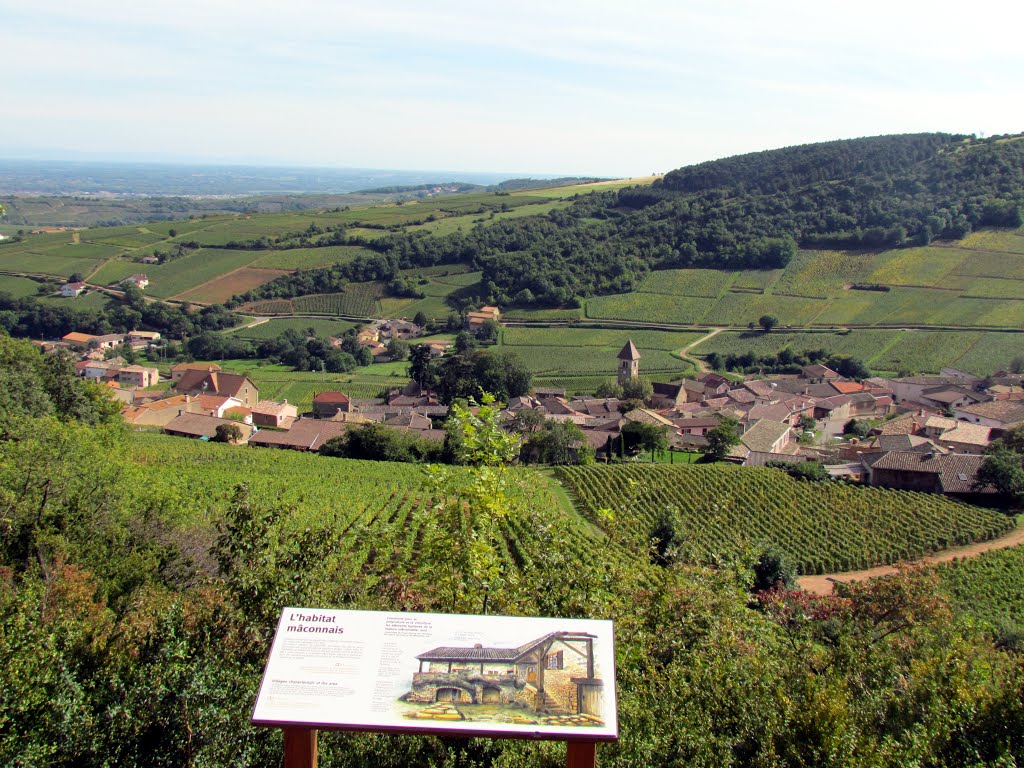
(275, 327)
(722, 510)
(988, 586)
(18, 286)
(222, 288)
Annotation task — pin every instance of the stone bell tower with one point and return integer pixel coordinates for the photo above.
(629, 363)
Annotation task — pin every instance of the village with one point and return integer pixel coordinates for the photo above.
(922, 433)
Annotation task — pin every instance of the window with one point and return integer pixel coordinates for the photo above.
(555, 661)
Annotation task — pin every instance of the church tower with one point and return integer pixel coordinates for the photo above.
(629, 363)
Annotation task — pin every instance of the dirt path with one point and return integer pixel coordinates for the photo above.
(685, 351)
(822, 585)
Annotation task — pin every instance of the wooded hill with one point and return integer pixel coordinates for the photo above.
(744, 212)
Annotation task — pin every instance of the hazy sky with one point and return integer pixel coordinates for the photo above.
(545, 87)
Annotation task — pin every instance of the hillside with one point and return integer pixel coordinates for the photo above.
(877, 192)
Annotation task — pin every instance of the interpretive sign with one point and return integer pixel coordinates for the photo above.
(507, 677)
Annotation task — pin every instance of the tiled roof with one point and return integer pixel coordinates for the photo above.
(763, 435)
(629, 351)
(482, 653)
(304, 434)
(957, 471)
(847, 387)
(1007, 411)
(967, 434)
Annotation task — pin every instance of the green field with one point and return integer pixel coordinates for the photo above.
(687, 282)
(820, 274)
(822, 527)
(274, 328)
(358, 299)
(310, 258)
(18, 287)
(924, 351)
(988, 587)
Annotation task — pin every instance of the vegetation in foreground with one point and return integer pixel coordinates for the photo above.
(140, 584)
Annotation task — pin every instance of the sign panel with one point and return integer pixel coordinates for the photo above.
(498, 676)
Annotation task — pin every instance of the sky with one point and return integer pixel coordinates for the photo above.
(556, 87)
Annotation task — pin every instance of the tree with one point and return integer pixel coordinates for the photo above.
(637, 389)
(557, 443)
(722, 438)
(463, 530)
(807, 422)
(227, 433)
(421, 319)
(767, 322)
(857, 428)
(420, 369)
(641, 436)
(527, 421)
(398, 349)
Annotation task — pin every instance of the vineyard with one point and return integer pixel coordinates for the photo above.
(988, 586)
(821, 273)
(377, 508)
(822, 527)
(358, 299)
(687, 282)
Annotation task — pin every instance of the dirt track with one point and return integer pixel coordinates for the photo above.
(822, 585)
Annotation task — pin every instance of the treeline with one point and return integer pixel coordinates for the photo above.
(787, 360)
(747, 212)
(303, 351)
(30, 318)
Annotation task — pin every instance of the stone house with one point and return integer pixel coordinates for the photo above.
(554, 674)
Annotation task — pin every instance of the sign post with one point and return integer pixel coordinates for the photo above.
(439, 674)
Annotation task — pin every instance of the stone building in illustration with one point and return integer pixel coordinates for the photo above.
(553, 674)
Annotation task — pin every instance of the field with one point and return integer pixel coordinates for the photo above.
(650, 308)
(357, 300)
(571, 352)
(924, 351)
(860, 343)
(710, 283)
(988, 586)
(820, 274)
(220, 289)
(378, 507)
(274, 328)
(724, 510)
(18, 287)
(310, 258)
(184, 273)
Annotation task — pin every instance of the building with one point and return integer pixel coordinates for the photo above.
(476, 320)
(271, 414)
(138, 376)
(327, 404)
(78, 340)
(215, 382)
(202, 427)
(930, 472)
(70, 290)
(629, 363)
(182, 368)
(139, 281)
(302, 435)
(554, 674)
(143, 337)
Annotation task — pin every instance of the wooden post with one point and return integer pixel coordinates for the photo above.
(300, 748)
(581, 754)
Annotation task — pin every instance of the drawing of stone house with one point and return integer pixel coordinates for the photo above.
(553, 674)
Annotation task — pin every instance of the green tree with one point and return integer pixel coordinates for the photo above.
(767, 322)
(557, 443)
(461, 553)
(227, 433)
(722, 438)
(641, 436)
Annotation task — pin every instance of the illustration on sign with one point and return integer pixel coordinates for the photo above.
(550, 680)
(485, 675)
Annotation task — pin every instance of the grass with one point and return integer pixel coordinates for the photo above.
(925, 267)
(861, 344)
(651, 308)
(18, 287)
(274, 328)
(598, 337)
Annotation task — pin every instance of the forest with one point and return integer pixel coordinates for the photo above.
(745, 212)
